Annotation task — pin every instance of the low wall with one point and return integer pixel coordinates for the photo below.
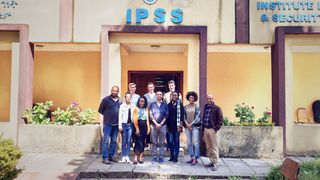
(251, 141)
(59, 138)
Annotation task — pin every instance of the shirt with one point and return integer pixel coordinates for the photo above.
(190, 111)
(158, 111)
(134, 99)
(206, 120)
(150, 98)
(109, 108)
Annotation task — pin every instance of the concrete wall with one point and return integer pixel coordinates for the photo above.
(218, 15)
(237, 77)
(301, 139)
(251, 142)
(59, 138)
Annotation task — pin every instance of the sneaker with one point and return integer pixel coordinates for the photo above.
(171, 159)
(154, 160)
(128, 159)
(214, 167)
(208, 165)
(161, 160)
(106, 161)
(190, 161)
(194, 162)
(123, 160)
(113, 159)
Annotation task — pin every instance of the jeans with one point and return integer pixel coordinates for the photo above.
(126, 138)
(174, 144)
(110, 133)
(193, 142)
(158, 137)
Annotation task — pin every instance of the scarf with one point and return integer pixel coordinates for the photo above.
(178, 113)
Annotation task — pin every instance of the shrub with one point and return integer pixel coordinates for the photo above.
(69, 116)
(38, 114)
(9, 157)
(87, 116)
(244, 113)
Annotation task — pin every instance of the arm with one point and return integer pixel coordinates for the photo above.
(219, 119)
(101, 107)
(135, 119)
(120, 117)
(151, 114)
(165, 115)
(148, 122)
(197, 119)
(182, 114)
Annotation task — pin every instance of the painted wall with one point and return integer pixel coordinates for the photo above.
(5, 85)
(234, 78)
(141, 61)
(218, 15)
(65, 77)
(35, 13)
(306, 80)
(262, 32)
(301, 139)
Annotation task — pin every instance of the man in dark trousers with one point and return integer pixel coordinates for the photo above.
(109, 108)
(211, 122)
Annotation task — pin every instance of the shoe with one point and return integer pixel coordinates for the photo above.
(208, 165)
(113, 159)
(190, 161)
(141, 161)
(106, 161)
(135, 162)
(161, 160)
(123, 160)
(175, 160)
(194, 162)
(154, 160)
(128, 159)
(171, 159)
(214, 167)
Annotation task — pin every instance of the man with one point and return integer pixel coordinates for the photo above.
(212, 122)
(172, 88)
(158, 115)
(151, 96)
(109, 108)
(132, 90)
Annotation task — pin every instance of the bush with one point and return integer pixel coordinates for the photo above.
(309, 170)
(244, 113)
(9, 157)
(38, 114)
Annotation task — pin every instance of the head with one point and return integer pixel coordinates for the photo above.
(127, 97)
(159, 96)
(172, 86)
(132, 88)
(142, 102)
(192, 97)
(174, 96)
(150, 87)
(209, 99)
(114, 91)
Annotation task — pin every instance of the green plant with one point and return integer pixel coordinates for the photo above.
(244, 113)
(87, 116)
(9, 157)
(266, 117)
(234, 178)
(67, 117)
(38, 114)
(226, 121)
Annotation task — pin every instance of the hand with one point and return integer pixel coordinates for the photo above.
(158, 126)
(179, 129)
(137, 132)
(189, 126)
(120, 130)
(148, 132)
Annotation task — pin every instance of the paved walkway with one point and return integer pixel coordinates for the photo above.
(70, 166)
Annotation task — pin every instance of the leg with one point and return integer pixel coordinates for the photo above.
(207, 140)
(128, 140)
(176, 145)
(195, 141)
(170, 144)
(113, 144)
(124, 136)
(189, 140)
(105, 141)
(154, 135)
(214, 152)
(162, 136)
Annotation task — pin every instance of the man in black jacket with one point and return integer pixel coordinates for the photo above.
(211, 123)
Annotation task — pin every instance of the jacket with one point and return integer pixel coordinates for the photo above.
(197, 116)
(216, 117)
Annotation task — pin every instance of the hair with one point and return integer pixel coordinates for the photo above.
(192, 93)
(127, 93)
(150, 83)
(175, 92)
(145, 102)
(160, 92)
(171, 82)
(115, 87)
(132, 84)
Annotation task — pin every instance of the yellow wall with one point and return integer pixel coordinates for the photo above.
(5, 85)
(234, 78)
(306, 81)
(150, 61)
(67, 76)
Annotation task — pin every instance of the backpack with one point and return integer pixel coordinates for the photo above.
(316, 111)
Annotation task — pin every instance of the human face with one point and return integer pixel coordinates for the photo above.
(114, 91)
(128, 98)
(191, 99)
(132, 89)
(209, 99)
(159, 96)
(172, 87)
(174, 97)
(150, 88)
(141, 102)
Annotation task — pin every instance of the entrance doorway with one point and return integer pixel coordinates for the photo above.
(159, 78)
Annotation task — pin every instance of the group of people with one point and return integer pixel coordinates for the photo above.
(160, 118)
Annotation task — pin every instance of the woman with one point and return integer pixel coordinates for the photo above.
(126, 126)
(174, 124)
(192, 123)
(142, 126)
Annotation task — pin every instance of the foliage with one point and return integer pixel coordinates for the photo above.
(244, 113)
(87, 116)
(266, 117)
(38, 114)
(309, 170)
(9, 157)
(234, 178)
(226, 121)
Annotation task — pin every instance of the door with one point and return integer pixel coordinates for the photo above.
(159, 78)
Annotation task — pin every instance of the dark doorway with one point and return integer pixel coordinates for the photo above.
(159, 78)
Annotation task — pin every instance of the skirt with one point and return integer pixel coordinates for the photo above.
(140, 140)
